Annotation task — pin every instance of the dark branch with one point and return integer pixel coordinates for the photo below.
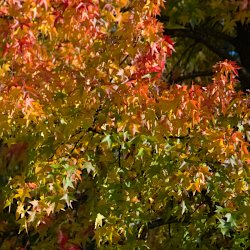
(192, 75)
(217, 34)
(163, 19)
(123, 60)
(161, 222)
(6, 17)
(199, 37)
(169, 75)
(177, 137)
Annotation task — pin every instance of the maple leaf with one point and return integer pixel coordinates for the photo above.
(67, 182)
(108, 139)
(35, 204)
(81, 88)
(44, 2)
(22, 193)
(89, 167)
(20, 211)
(99, 220)
(170, 43)
(68, 198)
(32, 216)
(62, 238)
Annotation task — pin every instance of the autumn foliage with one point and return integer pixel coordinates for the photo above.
(97, 151)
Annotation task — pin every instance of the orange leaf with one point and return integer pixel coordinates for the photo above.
(244, 148)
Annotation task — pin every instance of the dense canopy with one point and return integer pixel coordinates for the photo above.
(97, 151)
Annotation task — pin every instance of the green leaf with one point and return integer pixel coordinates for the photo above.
(69, 199)
(108, 140)
(67, 182)
(89, 167)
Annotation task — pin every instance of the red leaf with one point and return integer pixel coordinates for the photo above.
(62, 238)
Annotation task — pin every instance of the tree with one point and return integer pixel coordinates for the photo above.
(97, 151)
(206, 32)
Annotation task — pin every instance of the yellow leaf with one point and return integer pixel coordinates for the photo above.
(5, 68)
(20, 211)
(123, 3)
(98, 220)
(22, 193)
(197, 185)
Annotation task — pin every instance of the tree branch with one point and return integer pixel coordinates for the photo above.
(199, 37)
(192, 75)
(161, 222)
(169, 75)
(6, 17)
(217, 34)
(163, 19)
